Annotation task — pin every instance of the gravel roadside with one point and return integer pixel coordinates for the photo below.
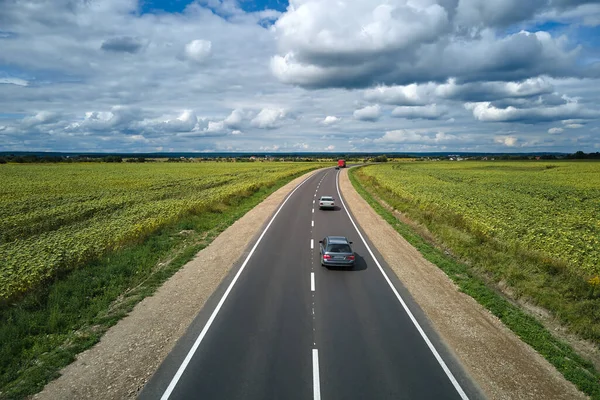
(129, 353)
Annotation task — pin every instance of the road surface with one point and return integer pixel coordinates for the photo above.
(284, 327)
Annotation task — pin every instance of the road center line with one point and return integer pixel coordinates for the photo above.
(312, 223)
(312, 244)
(312, 281)
(316, 383)
(432, 348)
(190, 354)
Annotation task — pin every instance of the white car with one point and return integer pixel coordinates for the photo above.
(326, 202)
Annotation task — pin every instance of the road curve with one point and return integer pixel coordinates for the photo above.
(283, 327)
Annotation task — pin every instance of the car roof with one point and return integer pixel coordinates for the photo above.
(327, 196)
(337, 239)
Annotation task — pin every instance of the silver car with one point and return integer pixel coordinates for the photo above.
(336, 251)
(326, 202)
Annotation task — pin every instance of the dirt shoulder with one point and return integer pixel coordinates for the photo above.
(129, 353)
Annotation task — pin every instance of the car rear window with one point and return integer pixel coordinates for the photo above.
(339, 248)
(325, 198)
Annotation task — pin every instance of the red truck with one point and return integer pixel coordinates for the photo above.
(341, 163)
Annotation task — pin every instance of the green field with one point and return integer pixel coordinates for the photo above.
(54, 218)
(532, 226)
(83, 243)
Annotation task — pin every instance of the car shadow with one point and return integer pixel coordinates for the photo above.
(359, 265)
(335, 208)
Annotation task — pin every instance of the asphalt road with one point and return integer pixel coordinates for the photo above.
(284, 327)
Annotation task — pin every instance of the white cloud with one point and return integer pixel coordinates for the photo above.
(417, 136)
(198, 50)
(555, 131)
(508, 141)
(431, 111)
(363, 43)
(485, 111)
(235, 119)
(268, 118)
(14, 81)
(41, 118)
(112, 78)
(330, 120)
(573, 121)
(368, 113)
(409, 95)
(485, 91)
(215, 126)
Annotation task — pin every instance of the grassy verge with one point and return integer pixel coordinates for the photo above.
(46, 329)
(575, 368)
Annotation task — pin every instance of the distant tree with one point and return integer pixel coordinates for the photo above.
(381, 158)
(113, 159)
(138, 159)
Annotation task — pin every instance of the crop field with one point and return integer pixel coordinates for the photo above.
(56, 217)
(549, 208)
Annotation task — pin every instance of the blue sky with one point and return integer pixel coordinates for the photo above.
(322, 75)
(178, 6)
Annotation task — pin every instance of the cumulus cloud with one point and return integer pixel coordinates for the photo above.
(268, 118)
(489, 91)
(235, 119)
(124, 44)
(487, 112)
(198, 50)
(362, 43)
(41, 118)
(496, 12)
(213, 126)
(416, 136)
(431, 111)
(185, 122)
(112, 78)
(555, 131)
(409, 95)
(368, 113)
(508, 141)
(330, 120)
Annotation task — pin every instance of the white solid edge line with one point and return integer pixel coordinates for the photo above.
(316, 383)
(312, 281)
(312, 244)
(190, 354)
(437, 356)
